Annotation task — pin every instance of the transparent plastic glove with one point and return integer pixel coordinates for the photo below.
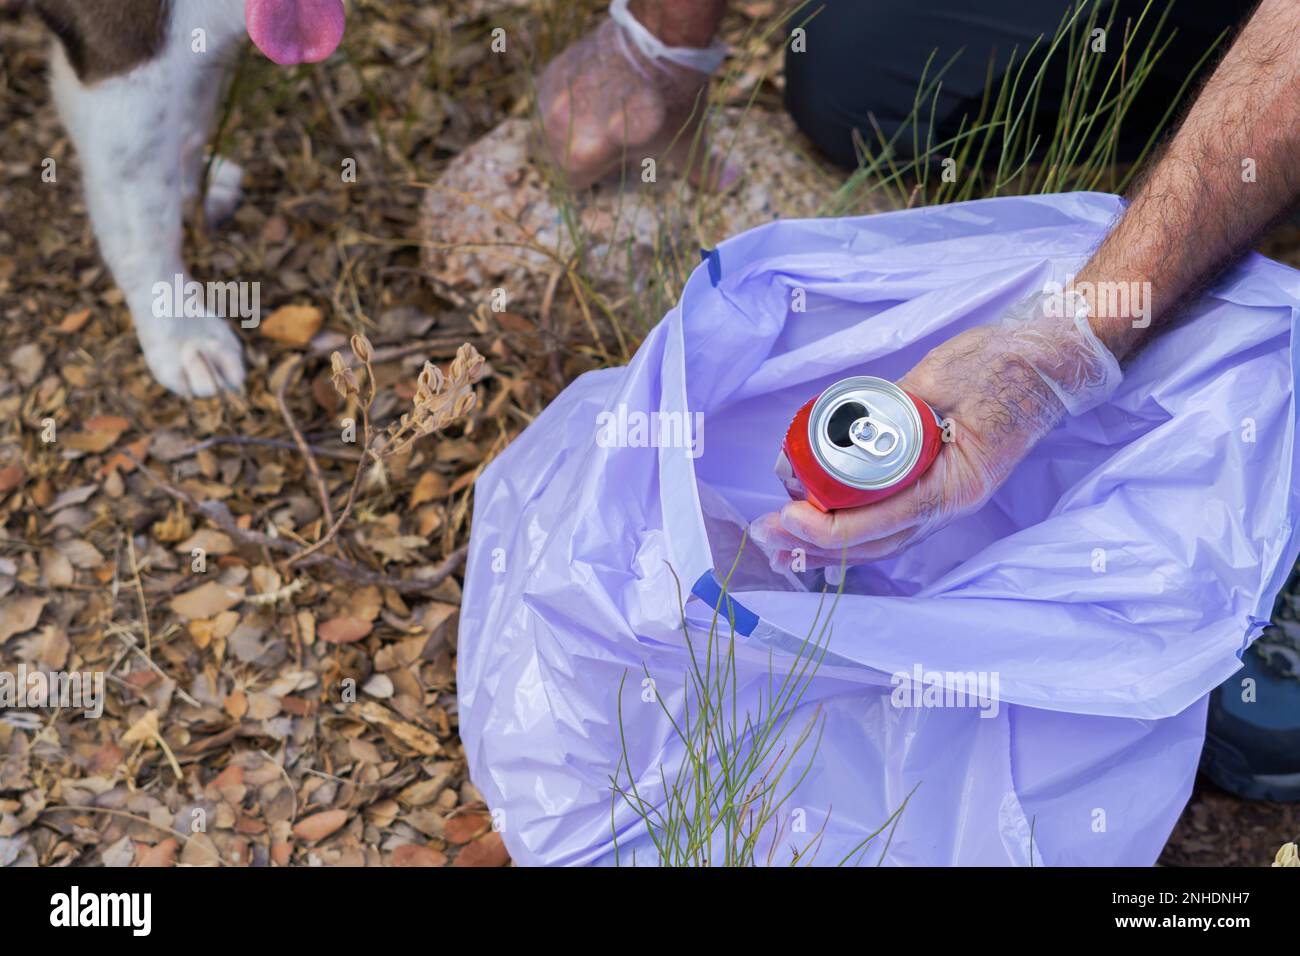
(1002, 387)
(619, 96)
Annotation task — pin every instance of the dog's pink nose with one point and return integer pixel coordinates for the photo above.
(295, 31)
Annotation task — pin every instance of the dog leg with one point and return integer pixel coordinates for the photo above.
(226, 177)
(128, 132)
(225, 190)
(205, 73)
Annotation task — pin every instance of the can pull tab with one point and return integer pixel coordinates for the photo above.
(874, 436)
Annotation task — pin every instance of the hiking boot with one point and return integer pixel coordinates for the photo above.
(1252, 735)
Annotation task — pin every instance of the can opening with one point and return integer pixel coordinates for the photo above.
(837, 426)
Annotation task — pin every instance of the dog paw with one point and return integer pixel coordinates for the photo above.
(225, 189)
(194, 357)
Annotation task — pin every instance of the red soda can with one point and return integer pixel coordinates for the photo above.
(858, 442)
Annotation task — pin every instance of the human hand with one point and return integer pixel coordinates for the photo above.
(605, 102)
(1000, 389)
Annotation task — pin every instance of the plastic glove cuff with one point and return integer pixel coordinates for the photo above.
(1055, 338)
(706, 60)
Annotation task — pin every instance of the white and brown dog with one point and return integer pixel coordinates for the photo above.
(136, 83)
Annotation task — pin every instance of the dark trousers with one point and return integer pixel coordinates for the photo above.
(864, 58)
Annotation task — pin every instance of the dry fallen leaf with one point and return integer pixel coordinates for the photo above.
(11, 476)
(379, 685)
(401, 548)
(53, 647)
(262, 706)
(466, 826)
(73, 321)
(343, 630)
(430, 486)
(162, 854)
(73, 496)
(487, 850)
(293, 324)
(20, 613)
(417, 738)
(175, 527)
(80, 553)
(319, 825)
(27, 361)
(143, 730)
(236, 704)
(423, 792)
(365, 603)
(206, 600)
(98, 435)
(120, 853)
(200, 851)
(208, 540)
(411, 854)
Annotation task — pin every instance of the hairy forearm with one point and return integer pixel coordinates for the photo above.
(680, 22)
(1232, 168)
